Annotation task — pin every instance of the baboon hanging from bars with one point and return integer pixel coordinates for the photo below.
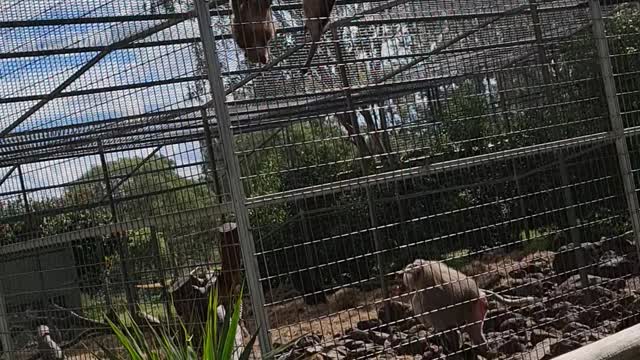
(252, 28)
(447, 299)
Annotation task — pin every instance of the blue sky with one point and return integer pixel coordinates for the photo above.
(40, 75)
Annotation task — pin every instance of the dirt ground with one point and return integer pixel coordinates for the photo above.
(293, 319)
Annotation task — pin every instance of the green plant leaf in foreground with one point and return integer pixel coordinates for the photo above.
(219, 341)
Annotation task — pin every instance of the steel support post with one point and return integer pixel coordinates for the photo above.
(27, 206)
(30, 223)
(617, 125)
(232, 165)
(5, 335)
(572, 218)
(161, 272)
(208, 141)
(373, 220)
(130, 291)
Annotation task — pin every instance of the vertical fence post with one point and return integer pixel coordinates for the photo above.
(236, 189)
(503, 108)
(373, 220)
(25, 200)
(129, 291)
(30, 224)
(5, 335)
(572, 218)
(161, 271)
(212, 158)
(617, 125)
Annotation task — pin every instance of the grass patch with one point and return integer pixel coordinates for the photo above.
(457, 259)
(537, 240)
(221, 339)
(95, 307)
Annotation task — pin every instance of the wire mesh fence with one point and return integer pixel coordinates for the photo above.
(147, 157)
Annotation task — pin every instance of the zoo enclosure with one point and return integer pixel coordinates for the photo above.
(334, 180)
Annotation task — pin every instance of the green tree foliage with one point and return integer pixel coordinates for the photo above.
(154, 189)
(12, 231)
(481, 197)
(581, 89)
(222, 340)
(465, 120)
(625, 46)
(445, 212)
(288, 159)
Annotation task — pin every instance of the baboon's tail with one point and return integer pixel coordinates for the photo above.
(528, 300)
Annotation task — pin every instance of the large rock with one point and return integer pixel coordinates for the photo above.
(590, 318)
(406, 345)
(337, 353)
(566, 259)
(576, 326)
(433, 352)
(354, 344)
(394, 311)
(527, 286)
(574, 283)
(515, 324)
(615, 266)
(357, 334)
(566, 318)
(541, 351)
(559, 309)
(588, 296)
(368, 324)
(537, 267)
(308, 347)
(495, 317)
(365, 350)
(564, 346)
(396, 338)
(539, 335)
(378, 337)
(609, 326)
(512, 346)
(534, 308)
(416, 328)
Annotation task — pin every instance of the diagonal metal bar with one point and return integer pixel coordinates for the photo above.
(435, 168)
(618, 128)
(101, 55)
(515, 61)
(437, 50)
(233, 173)
(515, 11)
(6, 176)
(448, 43)
(132, 172)
(291, 51)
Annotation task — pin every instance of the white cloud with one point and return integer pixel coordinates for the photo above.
(60, 172)
(41, 75)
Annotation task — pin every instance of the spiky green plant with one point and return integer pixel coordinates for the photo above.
(218, 343)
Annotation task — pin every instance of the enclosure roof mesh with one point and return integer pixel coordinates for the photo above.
(143, 89)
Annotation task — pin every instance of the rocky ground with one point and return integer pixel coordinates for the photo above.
(566, 316)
